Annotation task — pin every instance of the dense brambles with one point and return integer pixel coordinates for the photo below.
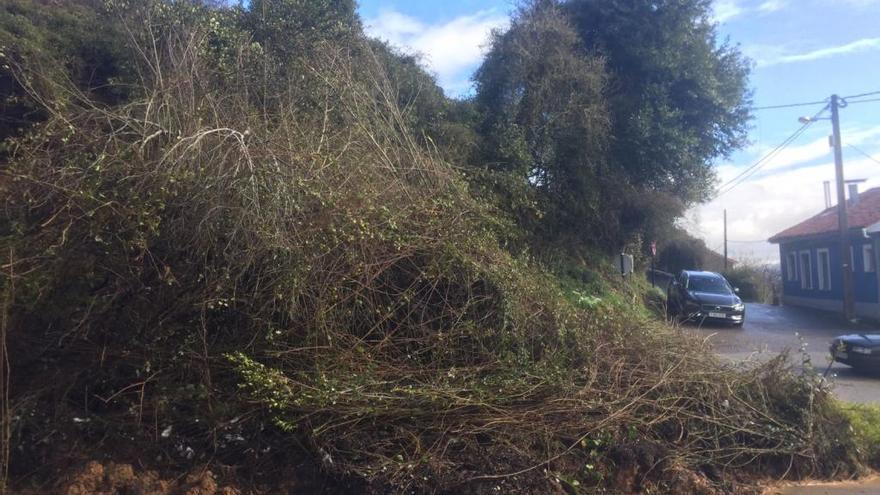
(253, 264)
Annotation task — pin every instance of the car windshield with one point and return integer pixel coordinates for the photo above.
(713, 285)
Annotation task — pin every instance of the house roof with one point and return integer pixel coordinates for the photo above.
(864, 213)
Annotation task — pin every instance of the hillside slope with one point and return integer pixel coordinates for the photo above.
(252, 265)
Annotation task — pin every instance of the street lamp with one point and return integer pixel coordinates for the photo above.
(806, 120)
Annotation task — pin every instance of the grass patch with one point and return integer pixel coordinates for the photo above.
(865, 423)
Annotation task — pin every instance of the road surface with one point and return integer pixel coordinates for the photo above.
(769, 330)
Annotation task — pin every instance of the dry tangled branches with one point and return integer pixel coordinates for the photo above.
(219, 274)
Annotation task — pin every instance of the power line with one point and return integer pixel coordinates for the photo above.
(810, 103)
(751, 170)
(755, 167)
(791, 105)
(862, 101)
(865, 154)
(872, 93)
(747, 242)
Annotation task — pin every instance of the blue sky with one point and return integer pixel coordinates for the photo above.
(449, 34)
(803, 50)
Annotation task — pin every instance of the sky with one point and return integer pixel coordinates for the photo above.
(801, 50)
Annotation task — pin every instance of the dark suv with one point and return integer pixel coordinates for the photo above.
(704, 296)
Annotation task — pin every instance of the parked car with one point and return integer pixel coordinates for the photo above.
(699, 296)
(859, 350)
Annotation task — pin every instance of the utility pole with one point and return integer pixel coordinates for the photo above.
(725, 240)
(842, 222)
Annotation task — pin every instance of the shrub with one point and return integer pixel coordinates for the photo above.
(756, 283)
(865, 421)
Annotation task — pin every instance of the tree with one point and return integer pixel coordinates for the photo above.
(44, 46)
(682, 251)
(678, 99)
(440, 123)
(295, 36)
(609, 114)
(294, 27)
(543, 124)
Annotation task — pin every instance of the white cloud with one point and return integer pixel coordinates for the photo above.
(724, 10)
(451, 49)
(789, 190)
(393, 26)
(800, 155)
(772, 5)
(794, 155)
(766, 56)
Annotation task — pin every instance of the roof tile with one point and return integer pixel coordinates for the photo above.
(864, 213)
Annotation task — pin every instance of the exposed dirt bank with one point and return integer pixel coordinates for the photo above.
(866, 486)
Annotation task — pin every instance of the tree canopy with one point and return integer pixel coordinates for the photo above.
(612, 111)
(544, 121)
(679, 99)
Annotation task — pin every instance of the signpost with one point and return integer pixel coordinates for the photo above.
(653, 253)
(625, 264)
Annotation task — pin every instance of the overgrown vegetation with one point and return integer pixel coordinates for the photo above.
(680, 250)
(756, 282)
(865, 421)
(260, 260)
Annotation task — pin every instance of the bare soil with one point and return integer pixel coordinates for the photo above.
(866, 486)
(96, 478)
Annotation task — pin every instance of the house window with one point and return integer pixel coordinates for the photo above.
(806, 271)
(823, 262)
(791, 266)
(868, 258)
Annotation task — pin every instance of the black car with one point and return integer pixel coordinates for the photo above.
(858, 350)
(704, 296)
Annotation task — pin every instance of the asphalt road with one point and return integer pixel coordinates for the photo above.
(769, 330)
